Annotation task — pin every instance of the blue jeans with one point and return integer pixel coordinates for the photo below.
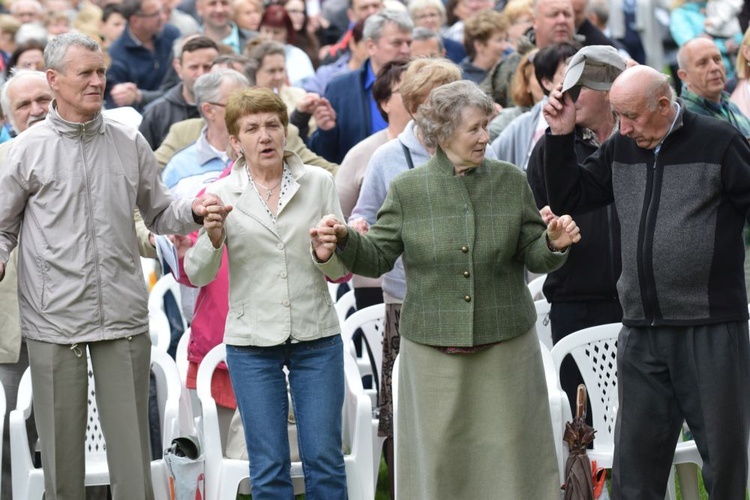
(316, 380)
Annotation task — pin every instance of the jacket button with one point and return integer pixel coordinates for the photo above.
(283, 274)
(467, 274)
(285, 302)
(467, 298)
(465, 249)
(280, 246)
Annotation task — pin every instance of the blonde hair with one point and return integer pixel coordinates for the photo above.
(423, 75)
(516, 9)
(519, 86)
(742, 63)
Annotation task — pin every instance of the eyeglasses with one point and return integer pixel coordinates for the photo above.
(217, 104)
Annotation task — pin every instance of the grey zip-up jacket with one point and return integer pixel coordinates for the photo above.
(70, 190)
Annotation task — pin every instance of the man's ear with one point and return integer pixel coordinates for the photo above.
(682, 74)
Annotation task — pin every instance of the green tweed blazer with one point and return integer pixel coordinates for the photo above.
(465, 241)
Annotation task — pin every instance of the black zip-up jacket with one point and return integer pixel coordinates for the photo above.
(593, 264)
(681, 215)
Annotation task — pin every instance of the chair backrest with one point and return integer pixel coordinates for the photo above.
(370, 321)
(168, 399)
(543, 325)
(557, 402)
(346, 305)
(535, 287)
(161, 333)
(595, 352)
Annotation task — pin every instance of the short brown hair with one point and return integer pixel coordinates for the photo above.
(250, 102)
(423, 75)
(481, 26)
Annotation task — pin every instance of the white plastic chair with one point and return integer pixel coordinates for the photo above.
(371, 321)
(28, 481)
(543, 324)
(595, 352)
(189, 406)
(535, 287)
(344, 305)
(3, 408)
(161, 333)
(223, 475)
(558, 401)
(394, 392)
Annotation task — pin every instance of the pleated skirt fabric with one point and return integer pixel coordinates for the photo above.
(475, 426)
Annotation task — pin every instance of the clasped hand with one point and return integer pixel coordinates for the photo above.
(326, 235)
(214, 213)
(561, 231)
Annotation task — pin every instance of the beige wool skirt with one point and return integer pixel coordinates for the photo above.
(475, 426)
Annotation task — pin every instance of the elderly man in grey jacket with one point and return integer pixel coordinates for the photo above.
(70, 186)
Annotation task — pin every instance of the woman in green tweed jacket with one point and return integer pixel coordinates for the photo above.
(473, 414)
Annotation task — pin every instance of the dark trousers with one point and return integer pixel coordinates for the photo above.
(666, 374)
(569, 317)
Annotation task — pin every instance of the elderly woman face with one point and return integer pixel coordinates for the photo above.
(31, 59)
(428, 17)
(272, 72)
(261, 138)
(465, 148)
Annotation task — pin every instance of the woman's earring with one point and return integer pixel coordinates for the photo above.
(242, 152)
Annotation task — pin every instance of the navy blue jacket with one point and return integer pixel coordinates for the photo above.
(349, 99)
(131, 62)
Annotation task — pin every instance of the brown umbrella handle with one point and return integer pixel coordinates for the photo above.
(581, 401)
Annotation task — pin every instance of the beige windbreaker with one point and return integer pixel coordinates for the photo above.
(276, 291)
(70, 190)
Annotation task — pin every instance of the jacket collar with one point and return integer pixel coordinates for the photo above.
(65, 128)
(441, 165)
(240, 181)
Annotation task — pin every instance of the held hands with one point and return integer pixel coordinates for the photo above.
(360, 225)
(326, 235)
(561, 231)
(560, 112)
(214, 212)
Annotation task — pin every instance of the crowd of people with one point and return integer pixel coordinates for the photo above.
(431, 153)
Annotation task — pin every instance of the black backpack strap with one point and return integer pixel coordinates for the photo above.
(407, 154)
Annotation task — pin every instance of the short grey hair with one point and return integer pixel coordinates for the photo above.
(416, 5)
(31, 32)
(439, 117)
(37, 6)
(657, 89)
(54, 53)
(17, 76)
(375, 24)
(422, 34)
(207, 87)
